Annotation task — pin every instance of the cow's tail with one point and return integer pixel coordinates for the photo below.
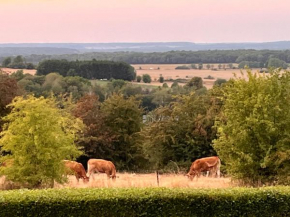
(218, 168)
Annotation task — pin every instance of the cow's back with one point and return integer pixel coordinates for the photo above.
(203, 164)
(101, 165)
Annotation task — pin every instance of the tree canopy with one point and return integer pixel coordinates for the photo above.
(253, 133)
(36, 138)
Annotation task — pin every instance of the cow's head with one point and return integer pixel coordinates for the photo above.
(191, 175)
(86, 179)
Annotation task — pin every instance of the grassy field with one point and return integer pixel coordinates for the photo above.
(128, 180)
(25, 71)
(132, 180)
(168, 71)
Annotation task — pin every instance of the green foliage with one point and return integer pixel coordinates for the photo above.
(254, 131)
(182, 67)
(146, 78)
(277, 63)
(123, 117)
(88, 69)
(180, 132)
(6, 62)
(161, 79)
(200, 66)
(38, 136)
(265, 202)
(195, 82)
(219, 82)
(54, 83)
(193, 66)
(165, 85)
(250, 64)
(139, 78)
(8, 90)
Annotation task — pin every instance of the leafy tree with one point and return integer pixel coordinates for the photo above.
(208, 66)
(18, 63)
(8, 90)
(200, 66)
(193, 66)
(180, 132)
(38, 137)
(230, 65)
(254, 131)
(6, 62)
(277, 63)
(123, 117)
(219, 82)
(18, 75)
(165, 85)
(97, 137)
(139, 78)
(146, 78)
(195, 82)
(174, 84)
(219, 66)
(161, 79)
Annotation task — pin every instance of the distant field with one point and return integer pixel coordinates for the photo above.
(28, 71)
(168, 71)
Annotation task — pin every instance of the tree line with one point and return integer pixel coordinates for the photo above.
(173, 57)
(88, 69)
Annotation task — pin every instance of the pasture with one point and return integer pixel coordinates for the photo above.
(132, 180)
(25, 71)
(168, 71)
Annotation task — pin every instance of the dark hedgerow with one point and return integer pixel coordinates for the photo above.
(270, 201)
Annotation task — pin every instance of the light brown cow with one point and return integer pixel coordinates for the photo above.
(102, 166)
(211, 164)
(77, 169)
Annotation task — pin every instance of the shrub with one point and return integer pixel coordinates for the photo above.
(274, 201)
(146, 78)
(182, 67)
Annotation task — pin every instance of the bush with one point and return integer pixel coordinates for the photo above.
(274, 201)
(182, 67)
(139, 78)
(146, 78)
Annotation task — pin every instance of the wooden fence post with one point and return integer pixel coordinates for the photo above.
(157, 174)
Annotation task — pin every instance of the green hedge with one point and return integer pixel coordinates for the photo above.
(270, 201)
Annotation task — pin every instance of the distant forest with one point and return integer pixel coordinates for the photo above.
(88, 69)
(258, 57)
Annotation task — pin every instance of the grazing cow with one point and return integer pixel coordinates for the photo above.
(102, 166)
(211, 164)
(77, 169)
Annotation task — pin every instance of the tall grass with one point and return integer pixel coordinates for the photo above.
(128, 180)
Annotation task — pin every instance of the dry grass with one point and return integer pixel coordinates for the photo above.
(25, 71)
(128, 180)
(168, 71)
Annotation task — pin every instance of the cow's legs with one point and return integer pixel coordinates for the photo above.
(78, 178)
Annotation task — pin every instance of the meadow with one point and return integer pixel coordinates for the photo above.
(168, 71)
(132, 180)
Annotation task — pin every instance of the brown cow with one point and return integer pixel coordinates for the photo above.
(211, 164)
(77, 169)
(102, 166)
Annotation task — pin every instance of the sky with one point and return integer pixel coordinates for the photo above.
(98, 21)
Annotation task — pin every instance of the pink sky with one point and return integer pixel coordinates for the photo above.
(144, 20)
